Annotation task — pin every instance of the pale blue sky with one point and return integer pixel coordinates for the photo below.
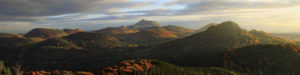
(276, 16)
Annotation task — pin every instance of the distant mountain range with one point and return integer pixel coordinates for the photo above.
(57, 43)
(225, 35)
(198, 48)
(93, 40)
(15, 40)
(45, 33)
(223, 48)
(146, 32)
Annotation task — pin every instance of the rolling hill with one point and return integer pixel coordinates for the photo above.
(45, 33)
(205, 27)
(10, 35)
(57, 43)
(93, 40)
(179, 31)
(223, 48)
(264, 59)
(16, 40)
(265, 37)
(72, 31)
(149, 36)
(116, 31)
(204, 48)
(145, 32)
(145, 24)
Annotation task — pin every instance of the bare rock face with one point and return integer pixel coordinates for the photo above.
(46, 33)
(72, 31)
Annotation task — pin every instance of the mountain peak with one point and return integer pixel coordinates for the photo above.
(145, 24)
(72, 31)
(227, 26)
(45, 33)
(206, 27)
(230, 24)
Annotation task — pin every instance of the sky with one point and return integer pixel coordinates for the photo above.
(274, 16)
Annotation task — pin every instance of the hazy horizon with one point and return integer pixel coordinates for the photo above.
(274, 16)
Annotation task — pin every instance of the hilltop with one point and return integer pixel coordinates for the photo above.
(146, 32)
(93, 40)
(204, 47)
(179, 31)
(45, 33)
(205, 27)
(145, 24)
(72, 31)
(264, 59)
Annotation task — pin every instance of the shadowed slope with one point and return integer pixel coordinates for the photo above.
(46, 33)
(179, 31)
(204, 48)
(93, 40)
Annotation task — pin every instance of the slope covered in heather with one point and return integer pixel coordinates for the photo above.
(93, 40)
(156, 67)
(145, 24)
(205, 27)
(10, 35)
(118, 32)
(264, 59)
(45, 33)
(203, 48)
(72, 31)
(179, 31)
(57, 43)
(149, 36)
(144, 32)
